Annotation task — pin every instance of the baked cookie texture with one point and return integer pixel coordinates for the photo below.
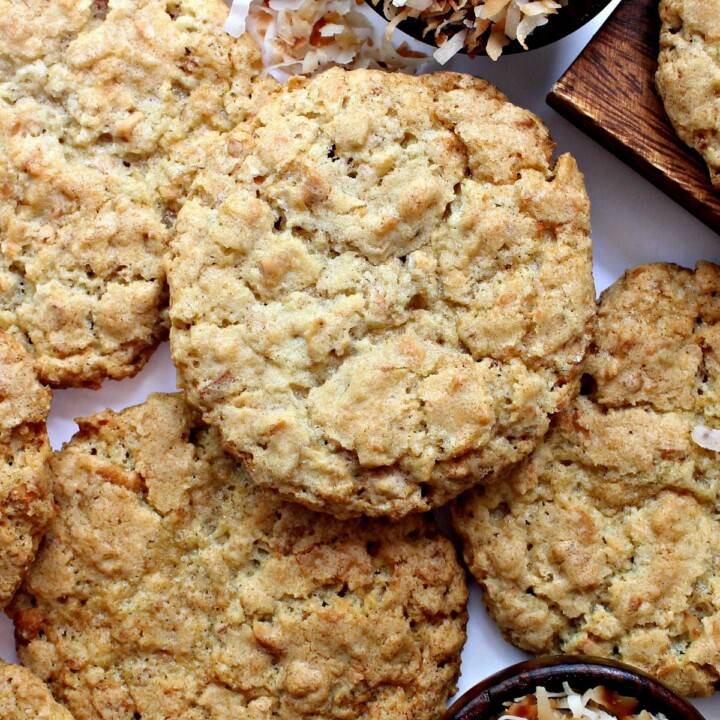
(26, 505)
(606, 541)
(24, 697)
(689, 73)
(169, 585)
(381, 289)
(107, 110)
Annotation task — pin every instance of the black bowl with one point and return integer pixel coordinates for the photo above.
(485, 700)
(568, 20)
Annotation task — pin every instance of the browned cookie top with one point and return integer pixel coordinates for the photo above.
(381, 289)
(170, 586)
(25, 487)
(107, 110)
(607, 540)
(24, 697)
(688, 75)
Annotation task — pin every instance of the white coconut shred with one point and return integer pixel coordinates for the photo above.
(598, 703)
(486, 25)
(307, 36)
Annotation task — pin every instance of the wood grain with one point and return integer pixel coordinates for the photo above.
(609, 92)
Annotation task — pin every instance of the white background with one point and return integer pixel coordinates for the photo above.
(632, 223)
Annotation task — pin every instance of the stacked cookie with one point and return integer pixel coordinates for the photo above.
(381, 289)
(25, 483)
(605, 541)
(107, 110)
(26, 509)
(169, 585)
(22, 696)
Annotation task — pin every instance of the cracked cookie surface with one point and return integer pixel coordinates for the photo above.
(107, 110)
(24, 697)
(26, 505)
(381, 289)
(169, 585)
(606, 541)
(688, 75)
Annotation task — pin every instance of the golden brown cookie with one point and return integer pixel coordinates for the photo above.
(107, 109)
(606, 541)
(24, 697)
(381, 289)
(26, 505)
(170, 586)
(688, 75)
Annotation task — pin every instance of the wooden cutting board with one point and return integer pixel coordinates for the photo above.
(609, 92)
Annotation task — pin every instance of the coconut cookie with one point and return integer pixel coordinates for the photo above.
(26, 505)
(170, 586)
(24, 697)
(689, 73)
(381, 289)
(107, 110)
(606, 541)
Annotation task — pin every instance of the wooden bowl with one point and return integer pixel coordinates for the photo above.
(485, 700)
(568, 20)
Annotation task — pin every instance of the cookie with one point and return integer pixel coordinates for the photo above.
(24, 697)
(606, 541)
(689, 73)
(169, 585)
(107, 110)
(26, 505)
(381, 289)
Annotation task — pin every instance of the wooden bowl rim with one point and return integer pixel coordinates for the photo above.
(484, 700)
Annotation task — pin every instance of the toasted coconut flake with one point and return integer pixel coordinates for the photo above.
(545, 710)
(340, 32)
(539, 8)
(285, 4)
(419, 5)
(308, 36)
(513, 16)
(235, 22)
(491, 8)
(496, 42)
(706, 437)
(595, 704)
(450, 48)
(331, 29)
(527, 25)
(488, 21)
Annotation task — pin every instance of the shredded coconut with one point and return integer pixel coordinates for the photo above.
(236, 20)
(706, 437)
(595, 704)
(488, 25)
(450, 48)
(308, 36)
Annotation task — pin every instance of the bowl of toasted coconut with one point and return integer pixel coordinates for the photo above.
(569, 686)
(487, 27)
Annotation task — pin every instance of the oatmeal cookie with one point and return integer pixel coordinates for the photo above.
(606, 541)
(26, 505)
(24, 697)
(107, 110)
(381, 289)
(688, 75)
(170, 586)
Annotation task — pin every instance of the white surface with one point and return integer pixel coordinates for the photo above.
(632, 223)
